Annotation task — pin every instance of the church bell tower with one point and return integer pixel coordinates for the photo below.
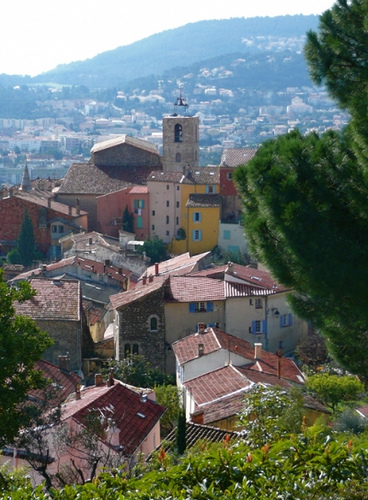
(180, 139)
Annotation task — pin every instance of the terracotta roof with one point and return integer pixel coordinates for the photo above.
(196, 289)
(55, 300)
(124, 139)
(65, 381)
(203, 200)
(223, 408)
(192, 175)
(217, 385)
(133, 417)
(94, 312)
(86, 178)
(41, 198)
(140, 290)
(233, 157)
(184, 263)
(199, 432)
(139, 190)
(212, 339)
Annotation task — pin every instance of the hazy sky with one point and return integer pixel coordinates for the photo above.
(37, 35)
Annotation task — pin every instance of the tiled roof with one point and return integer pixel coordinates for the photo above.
(132, 416)
(180, 264)
(55, 300)
(192, 175)
(196, 289)
(65, 381)
(139, 190)
(124, 139)
(223, 408)
(140, 290)
(199, 432)
(233, 157)
(41, 198)
(94, 312)
(212, 339)
(203, 200)
(86, 178)
(216, 385)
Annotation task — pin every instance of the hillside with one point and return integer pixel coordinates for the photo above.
(182, 46)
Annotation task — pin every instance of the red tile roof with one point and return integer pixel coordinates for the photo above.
(184, 263)
(196, 289)
(41, 198)
(216, 385)
(124, 139)
(55, 300)
(233, 157)
(140, 290)
(65, 381)
(133, 417)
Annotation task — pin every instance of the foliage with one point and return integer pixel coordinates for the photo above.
(305, 218)
(26, 241)
(270, 414)
(127, 221)
(13, 257)
(169, 397)
(350, 421)
(181, 442)
(181, 234)
(155, 249)
(311, 350)
(22, 343)
(333, 389)
(136, 370)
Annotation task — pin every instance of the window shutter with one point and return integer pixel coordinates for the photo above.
(192, 307)
(209, 306)
(290, 319)
(253, 326)
(264, 326)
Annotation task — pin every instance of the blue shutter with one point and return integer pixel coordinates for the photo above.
(209, 306)
(290, 319)
(264, 326)
(192, 307)
(211, 325)
(253, 327)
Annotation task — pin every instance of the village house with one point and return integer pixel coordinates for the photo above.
(57, 309)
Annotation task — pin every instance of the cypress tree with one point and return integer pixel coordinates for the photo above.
(26, 241)
(181, 442)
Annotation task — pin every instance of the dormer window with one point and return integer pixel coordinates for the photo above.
(178, 133)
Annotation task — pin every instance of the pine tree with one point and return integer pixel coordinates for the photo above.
(26, 241)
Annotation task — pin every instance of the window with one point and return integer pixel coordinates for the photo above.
(229, 176)
(153, 324)
(57, 229)
(177, 204)
(167, 203)
(167, 219)
(135, 349)
(153, 212)
(177, 221)
(196, 307)
(131, 349)
(178, 133)
(197, 216)
(138, 204)
(127, 350)
(258, 327)
(178, 157)
(286, 320)
(54, 229)
(196, 235)
(167, 233)
(153, 227)
(177, 188)
(227, 234)
(258, 303)
(139, 221)
(210, 189)
(167, 186)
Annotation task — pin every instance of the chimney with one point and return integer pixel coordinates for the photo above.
(77, 207)
(200, 350)
(70, 210)
(257, 351)
(201, 327)
(143, 397)
(113, 433)
(197, 417)
(98, 380)
(78, 393)
(144, 280)
(110, 381)
(279, 356)
(150, 278)
(48, 202)
(90, 241)
(64, 362)
(120, 270)
(156, 269)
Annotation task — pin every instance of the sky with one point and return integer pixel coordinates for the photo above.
(38, 35)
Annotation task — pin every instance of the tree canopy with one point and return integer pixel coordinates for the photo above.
(22, 343)
(305, 198)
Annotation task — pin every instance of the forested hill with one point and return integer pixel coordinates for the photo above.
(182, 46)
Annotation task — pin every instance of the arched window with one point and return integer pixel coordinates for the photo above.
(153, 324)
(178, 157)
(178, 133)
(135, 349)
(127, 350)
